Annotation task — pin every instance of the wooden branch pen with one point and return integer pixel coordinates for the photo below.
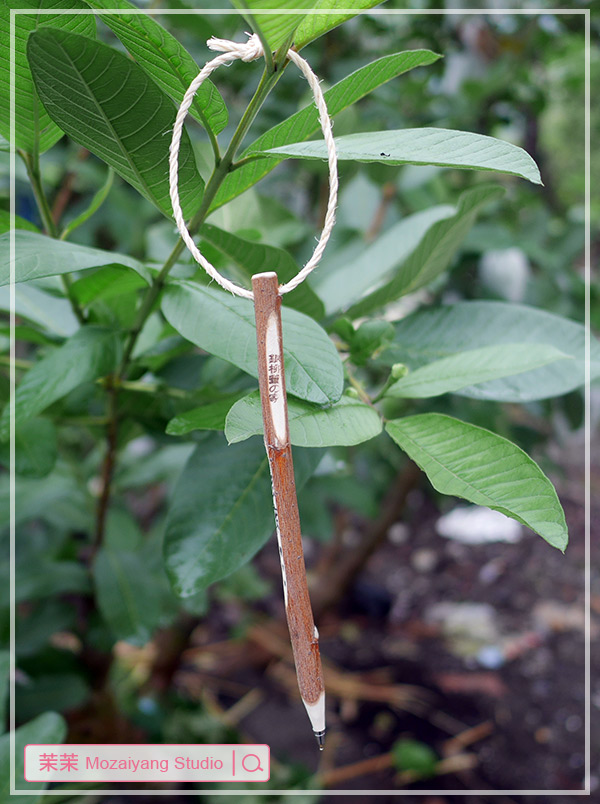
(271, 379)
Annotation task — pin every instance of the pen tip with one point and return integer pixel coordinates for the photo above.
(320, 735)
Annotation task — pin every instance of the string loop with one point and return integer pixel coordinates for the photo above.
(250, 51)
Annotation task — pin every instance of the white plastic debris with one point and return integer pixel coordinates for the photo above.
(478, 525)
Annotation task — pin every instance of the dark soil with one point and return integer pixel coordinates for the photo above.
(533, 704)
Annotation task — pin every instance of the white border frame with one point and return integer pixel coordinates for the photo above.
(586, 791)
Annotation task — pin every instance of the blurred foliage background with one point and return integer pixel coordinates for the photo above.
(218, 670)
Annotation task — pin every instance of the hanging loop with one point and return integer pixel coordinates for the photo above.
(250, 51)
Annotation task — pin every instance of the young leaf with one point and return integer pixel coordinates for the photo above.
(346, 423)
(434, 334)
(37, 256)
(472, 368)
(274, 29)
(253, 258)
(358, 269)
(91, 353)
(422, 146)
(165, 60)
(434, 252)
(223, 325)
(206, 417)
(124, 118)
(32, 123)
(469, 462)
(47, 728)
(315, 25)
(222, 511)
(126, 600)
(306, 122)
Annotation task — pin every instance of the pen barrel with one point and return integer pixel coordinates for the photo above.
(271, 380)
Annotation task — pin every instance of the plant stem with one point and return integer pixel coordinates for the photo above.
(219, 173)
(32, 164)
(221, 169)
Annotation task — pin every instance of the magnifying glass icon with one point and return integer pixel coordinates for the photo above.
(258, 765)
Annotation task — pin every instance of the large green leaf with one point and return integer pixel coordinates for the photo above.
(91, 353)
(37, 256)
(472, 368)
(253, 258)
(422, 146)
(106, 102)
(305, 122)
(126, 600)
(165, 60)
(315, 25)
(47, 728)
(222, 511)
(434, 334)
(31, 119)
(356, 269)
(434, 253)
(477, 465)
(223, 325)
(346, 423)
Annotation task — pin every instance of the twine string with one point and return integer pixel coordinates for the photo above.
(250, 51)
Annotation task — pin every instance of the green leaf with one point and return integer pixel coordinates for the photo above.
(472, 368)
(91, 353)
(223, 325)
(434, 252)
(206, 417)
(37, 256)
(47, 311)
(106, 283)
(415, 756)
(31, 119)
(124, 118)
(253, 258)
(222, 511)
(35, 448)
(315, 25)
(165, 60)
(422, 146)
(305, 122)
(275, 29)
(126, 600)
(47, 728)
(343, 278)
(346, 423)
(435, 334)
(20, 223)
(469, 462)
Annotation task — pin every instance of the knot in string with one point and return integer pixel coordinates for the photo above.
(246, 51)
(249, 51)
